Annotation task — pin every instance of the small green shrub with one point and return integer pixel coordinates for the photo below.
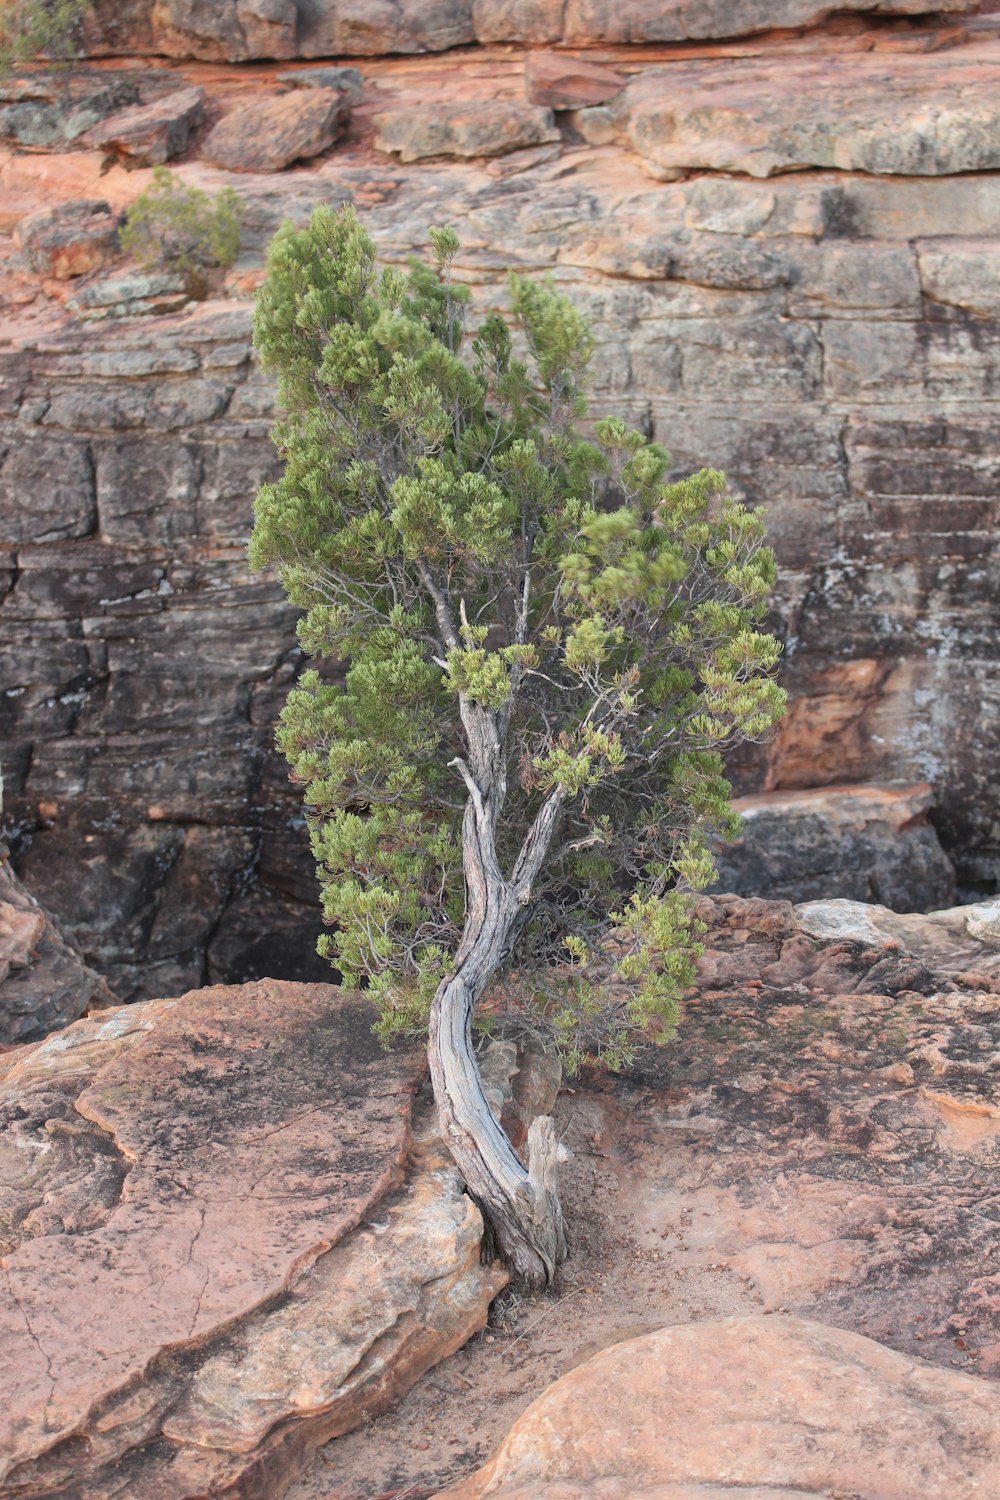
(39, 30)
(173, 227)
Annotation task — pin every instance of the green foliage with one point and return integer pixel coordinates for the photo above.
(491, 573)
(39, 30)
(182, 229)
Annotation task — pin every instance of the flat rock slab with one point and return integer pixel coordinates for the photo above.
(560, 82)
(148, 135)
(826, 1124)
(270, 134)
(485, 128)
(913, 116)
(769, 1408)
(178, 1185)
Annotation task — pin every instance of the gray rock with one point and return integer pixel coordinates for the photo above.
(860, 844)
(938, 115)
(484, 128)
(347, 81)
(130, 297)
(44, 982)
(61, 117)
(270, 134)
(147, 135)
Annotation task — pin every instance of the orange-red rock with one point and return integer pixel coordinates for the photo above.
(270, 134)
(200, 1199)
(764, 1407)
(562, 82)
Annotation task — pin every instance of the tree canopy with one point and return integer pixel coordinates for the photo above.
(528, 610)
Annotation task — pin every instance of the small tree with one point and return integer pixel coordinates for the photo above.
(547, 644)
(182, 229)
(33, 31)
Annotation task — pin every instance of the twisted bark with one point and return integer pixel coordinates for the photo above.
(519, 1202)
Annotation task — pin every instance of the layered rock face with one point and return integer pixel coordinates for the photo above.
(237, 30)
(827, 335)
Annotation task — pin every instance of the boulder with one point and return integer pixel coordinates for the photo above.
(934, 115)
(763, 1406)
(862, 843)
(147, 135)
(560, 82)
(44, 982)
(269, 134)
(227, 1238)
(69, 240)
(485, 128)
(45, 117)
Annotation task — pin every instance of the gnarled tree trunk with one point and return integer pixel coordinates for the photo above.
(519, 1202)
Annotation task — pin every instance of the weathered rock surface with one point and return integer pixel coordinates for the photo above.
(766, 1406)
(487, 129)
(44, 983)
(136, 296)
(940, 115)
(347, 81)
(826, 1123)
(196, 1197)
(147, 135)
(561, 82)
(272, 133)
(49, 113)
(69, 240)
(241, 29)
(867, 843)
(827, 337)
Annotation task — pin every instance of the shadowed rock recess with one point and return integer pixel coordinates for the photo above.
(788, 242)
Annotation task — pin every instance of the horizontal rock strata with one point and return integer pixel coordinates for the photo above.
(236, 31)
(199, 1196)
(828, 337)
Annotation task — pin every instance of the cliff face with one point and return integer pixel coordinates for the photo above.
(789, 247)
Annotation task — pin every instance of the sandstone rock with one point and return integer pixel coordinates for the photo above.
(560, 82)
(44, 983)
(238, 30)
(130, 297)
(70, 240)
(488, 128)
(867, 843)
(934, 116)
(370, 28)
(824, 1126)
(764, 1405)
(803, 332)
(347, 81)
(48, 118)
(270, 134)
(232, 29)
(962, 274)
(207, 1325)
(149, 134)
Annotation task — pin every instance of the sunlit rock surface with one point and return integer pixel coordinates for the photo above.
(226, 1237)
